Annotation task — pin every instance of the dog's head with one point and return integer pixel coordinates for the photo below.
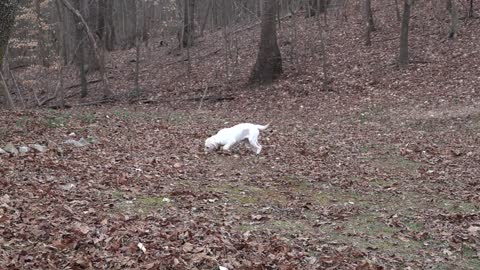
(210, 145)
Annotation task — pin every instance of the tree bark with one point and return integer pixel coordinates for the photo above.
(269, 60)
(109, 36)
(403, 56)
(136, 90)
(452, 9)
(369, 21)
(42, 56)
(7, 21)
(188, 23)
(470, 10)
(124, 22)
(369, 15)
(397, 11)
(98, 54)
(316, 7)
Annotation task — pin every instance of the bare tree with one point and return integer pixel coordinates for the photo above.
(7, 20)
(105, 24)
(136, 91)
(98, 53)
(269, 60)
(397, 11)
(452, 9)
(370, 26)
(42, 55)
(188, 23)
(470, 10)
(316, 7)
(403, 56)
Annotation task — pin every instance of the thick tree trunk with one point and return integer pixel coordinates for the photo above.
(369, 15)
(397, 11)
(7, 20)
(109, 27)
(403, 56)
(42, 55)
(269, 60)
(369, 21)
(82, 50)
(470, 10)
(105, 24)
(452, 9)
(61, 32)
(188, 23)
(316, 7)
(99, 54)
(124, 22)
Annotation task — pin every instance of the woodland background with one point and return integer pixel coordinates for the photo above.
(371, 161)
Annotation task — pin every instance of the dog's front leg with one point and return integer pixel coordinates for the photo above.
(227, 146)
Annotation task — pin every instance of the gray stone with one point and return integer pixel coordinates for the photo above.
(23, 149)
(79, 143)
(83, 142)
(10, 148)
(2, 151)
(38, 147)
(67, 187)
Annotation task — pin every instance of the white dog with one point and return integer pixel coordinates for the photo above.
(229, 137)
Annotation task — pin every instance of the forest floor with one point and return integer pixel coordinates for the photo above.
(379, 172)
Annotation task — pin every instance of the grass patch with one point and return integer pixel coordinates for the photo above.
(336, 196)
(143, 205)
(23, 123)
(57, 121)
(177, 118)
(458, 207)
(247, 196)
(88, 118)
(396, 162)
(123, 114)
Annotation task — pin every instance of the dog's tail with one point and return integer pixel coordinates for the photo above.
(260, 127)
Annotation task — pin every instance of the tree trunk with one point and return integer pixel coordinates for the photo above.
(204, 23)
(316, 7)
(109, 36)
(369, 15)
(82, 74)
(269, 60)
(452, 9)
(124, 22)
(397, 11)
(99, 55)
(136, 90)
(470, 10)
(42, 57)
(188, 23)
(403, 56)
(61, 32)
(7, 20)
(369, 20)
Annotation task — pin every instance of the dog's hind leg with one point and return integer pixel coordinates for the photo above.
(254, 145)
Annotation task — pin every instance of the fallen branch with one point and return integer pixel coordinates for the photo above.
(203, 98)
(18, 88)
(186, 59)
(103, 101)
(89, 82)
(211, 98)
(41, 103)
(7, 92)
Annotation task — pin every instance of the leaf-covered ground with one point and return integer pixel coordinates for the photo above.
(380, 173)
